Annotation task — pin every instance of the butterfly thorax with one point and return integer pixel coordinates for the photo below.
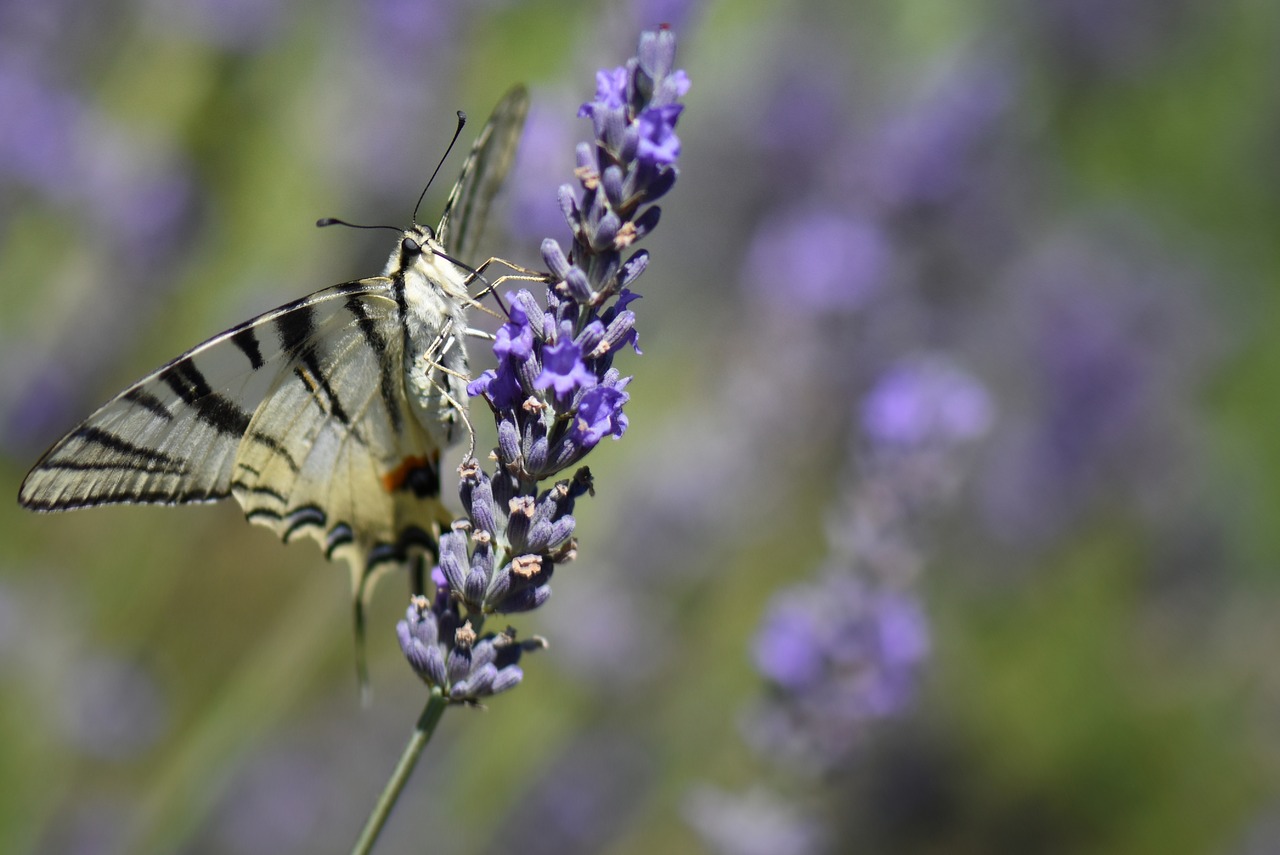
(435, 298)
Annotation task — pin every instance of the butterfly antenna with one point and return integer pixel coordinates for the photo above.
(462, 121)
(334, 221)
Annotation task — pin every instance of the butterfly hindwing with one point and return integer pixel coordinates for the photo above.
(333, 451)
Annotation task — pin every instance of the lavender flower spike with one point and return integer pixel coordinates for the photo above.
(555, 393)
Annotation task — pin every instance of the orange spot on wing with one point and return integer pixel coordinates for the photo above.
(394, 480)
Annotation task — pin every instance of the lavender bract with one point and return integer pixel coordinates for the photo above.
(555, 393)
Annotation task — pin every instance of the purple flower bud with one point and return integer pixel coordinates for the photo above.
(630, 272)
(482, 557)
(453, 559)
(553, 256)
(524, 600)
(535, 458)
(606, 232)
(518, 522)
(499, 586)
(508, 444)
(480, 682)
(590, 337)
(476, 585)
(508, 678)
(656, 53)
(579, 286)
(481, 507)
(458, 665)
(569, 207)
(533, 312)
(622, 330)
(611, 181)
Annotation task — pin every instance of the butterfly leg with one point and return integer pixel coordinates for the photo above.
(522, 274)
(432, 362)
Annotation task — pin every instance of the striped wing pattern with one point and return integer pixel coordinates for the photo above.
(299, 413)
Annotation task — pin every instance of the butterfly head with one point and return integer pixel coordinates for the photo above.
(420, 256)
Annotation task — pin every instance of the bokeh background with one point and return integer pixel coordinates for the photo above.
(946, 518)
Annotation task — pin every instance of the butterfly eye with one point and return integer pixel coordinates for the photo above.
(409, 246)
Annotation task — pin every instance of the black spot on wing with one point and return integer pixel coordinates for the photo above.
(423, 481)
(148, 402)
(247, 340)
(223, 414)
(186, 380)
(294, 327)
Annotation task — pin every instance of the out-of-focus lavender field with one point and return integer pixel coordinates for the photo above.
(948, 514)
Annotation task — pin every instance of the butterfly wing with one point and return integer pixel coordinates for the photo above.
(467, 208)
(300, 413)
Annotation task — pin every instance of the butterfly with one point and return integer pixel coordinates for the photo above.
(323, 418)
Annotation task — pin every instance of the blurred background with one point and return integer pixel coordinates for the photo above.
(945, 518)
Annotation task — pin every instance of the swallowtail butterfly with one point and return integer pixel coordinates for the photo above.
(325, 417)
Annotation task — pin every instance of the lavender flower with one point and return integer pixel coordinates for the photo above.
(845, 651)
(448, 655)
(555, 393)
(838, 655)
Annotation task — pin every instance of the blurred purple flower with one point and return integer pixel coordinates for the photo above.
(818, 260)
(280, 802)
(40, 133)
(838, 655)
(1111, 337)
(925, 401)
(920, 158)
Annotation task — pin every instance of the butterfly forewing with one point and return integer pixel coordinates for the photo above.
(467, 208)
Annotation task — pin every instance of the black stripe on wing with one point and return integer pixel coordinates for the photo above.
(172, 437)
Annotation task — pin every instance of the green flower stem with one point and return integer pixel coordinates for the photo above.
(391, 792)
